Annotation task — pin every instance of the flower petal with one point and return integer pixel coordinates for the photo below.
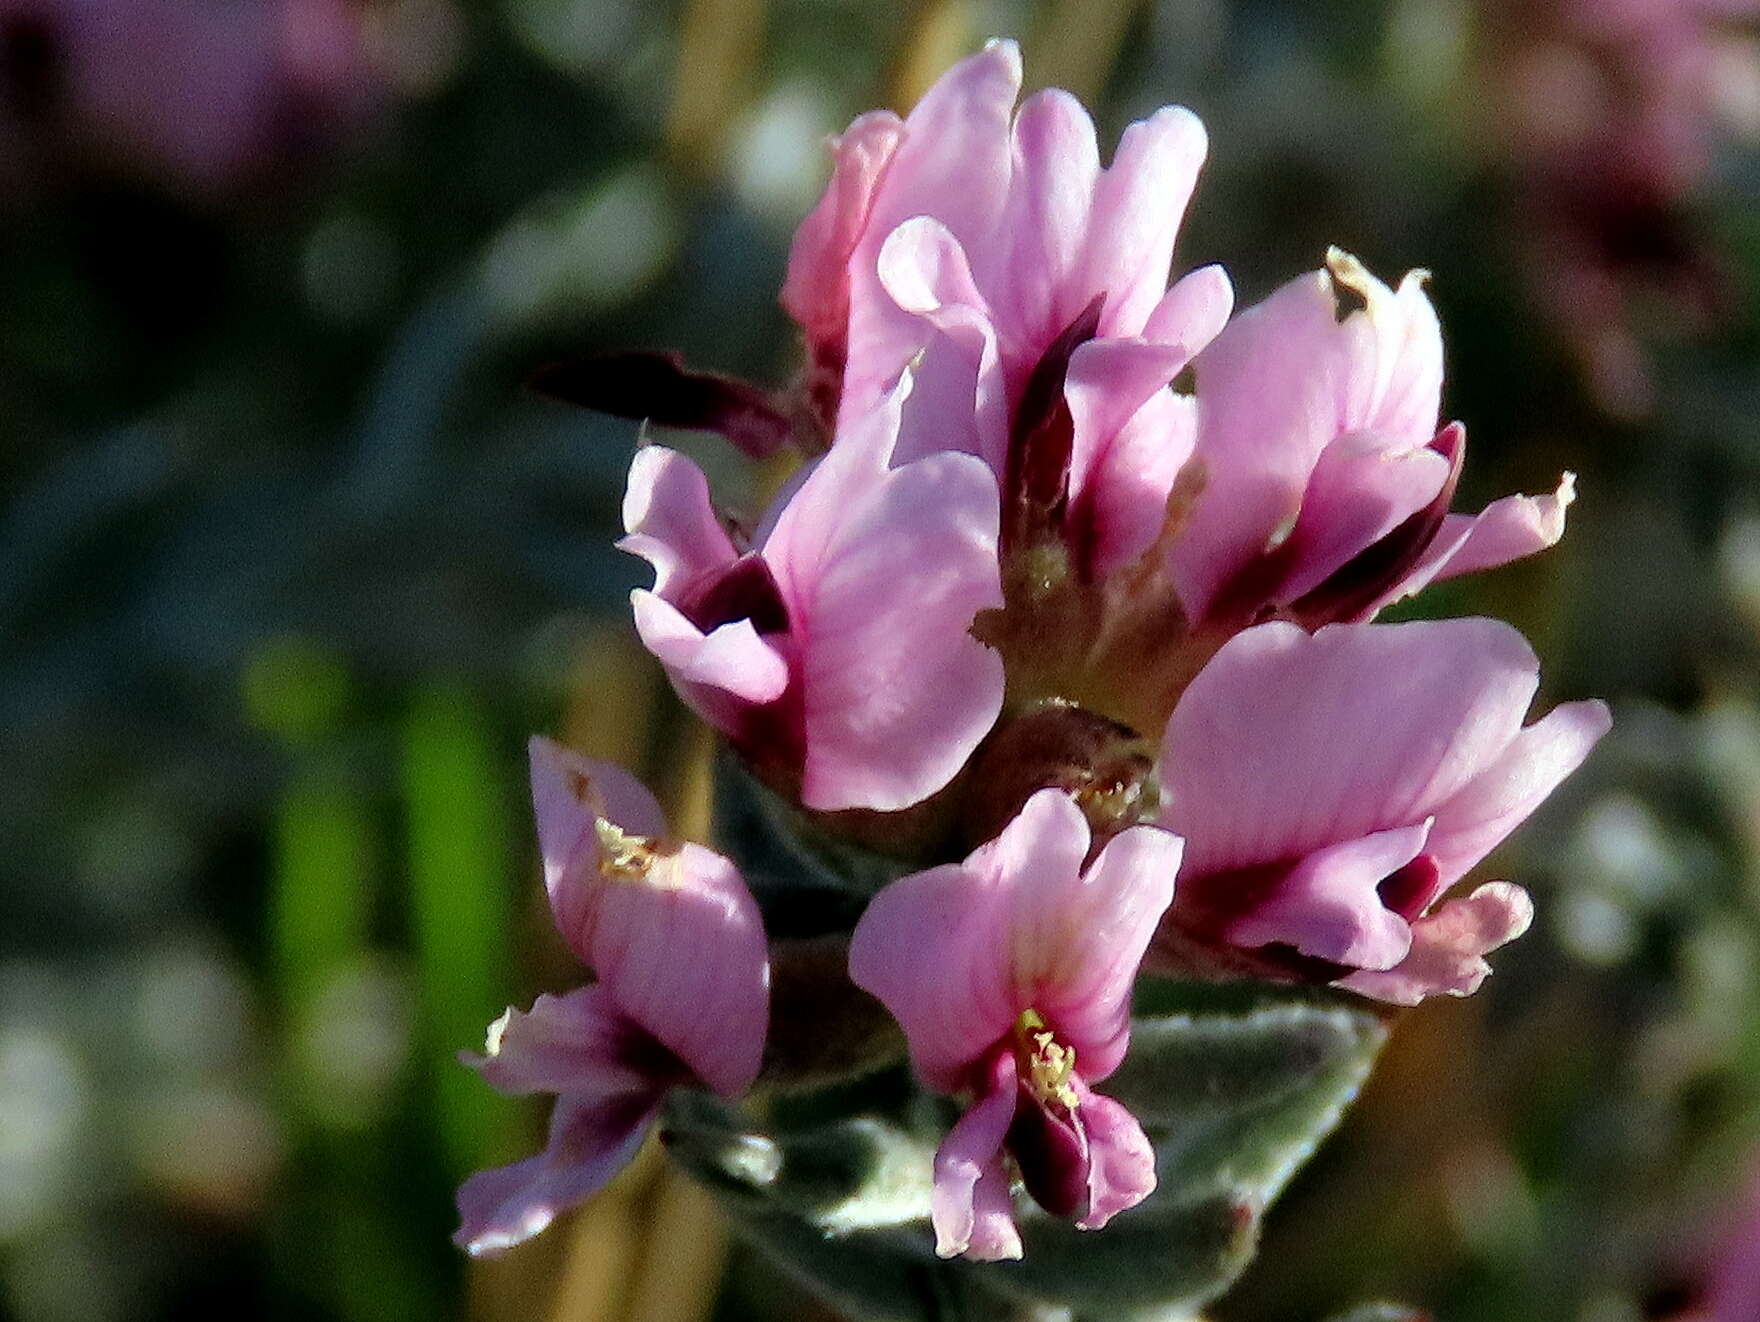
(570, 794)
(1449, 947)
(958, 953)
(1044, 223)
(1134, 477)
(578, 1042)
(1391, 363)
(957, 376)
(668, 928)
(1079, 938)
(590, 1141)
(731, 659)
(927, 947)
(1328, 905)
(677, 941)
(816, 290)
(1288, 742)
(953, 164)
(1121, 1171)
(970, 1206)
(671, 520)
(1138, 205)
(1365, 485)
(1266, 408)
(883, 572)
(1509, 529)
(1476, 819)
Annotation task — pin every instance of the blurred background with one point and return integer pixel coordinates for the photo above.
(290, 565)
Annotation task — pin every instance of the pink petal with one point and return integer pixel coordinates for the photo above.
(883, 572)
(679, 935)
(953, 164)
(1449, 946)
(1391, 365)
(927, 948)
(958, 953)
(1134, 476)
(816, 291)
(1108, 383)
(1122, 1169)
(1284, 381)
(671, 521)
(1289, 742)
(578, 1042)
(1477, 818)
(590, 1141)
(1045, 223)
(1266, 409)
(970, 1206)
(732, 659)
(1328, 905)
(1194, 311)
(958, 374)
(1138, 206)
(570, 793)
(1364, 486)
(1509, 529)
(1078, 938)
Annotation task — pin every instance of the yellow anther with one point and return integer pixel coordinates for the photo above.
(623, 856)
(1048, 1064)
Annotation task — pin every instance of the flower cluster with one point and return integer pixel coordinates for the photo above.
(1069, 611)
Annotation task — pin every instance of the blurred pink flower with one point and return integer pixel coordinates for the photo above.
(1610, 112)
(206, 100)
(1011, 975)
(670, 929)
(833, 648)
(1733, 1286)
(1331, 787)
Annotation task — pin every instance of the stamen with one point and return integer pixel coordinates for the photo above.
(1047, 1064)
(623, 856)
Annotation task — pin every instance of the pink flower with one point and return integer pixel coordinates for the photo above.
(834, 648)
(1011, 976)
(1331, 787)
(682, 994)
(981, 248)
(1326, 484)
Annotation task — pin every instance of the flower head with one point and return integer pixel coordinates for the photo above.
(669, 929)
(1011, 975)
(1332, 786)
(834, 648)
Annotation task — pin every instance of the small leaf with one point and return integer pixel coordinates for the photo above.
(1234, 1097)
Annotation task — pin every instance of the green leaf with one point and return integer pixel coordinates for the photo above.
(1234, 1097)
(785, 855)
